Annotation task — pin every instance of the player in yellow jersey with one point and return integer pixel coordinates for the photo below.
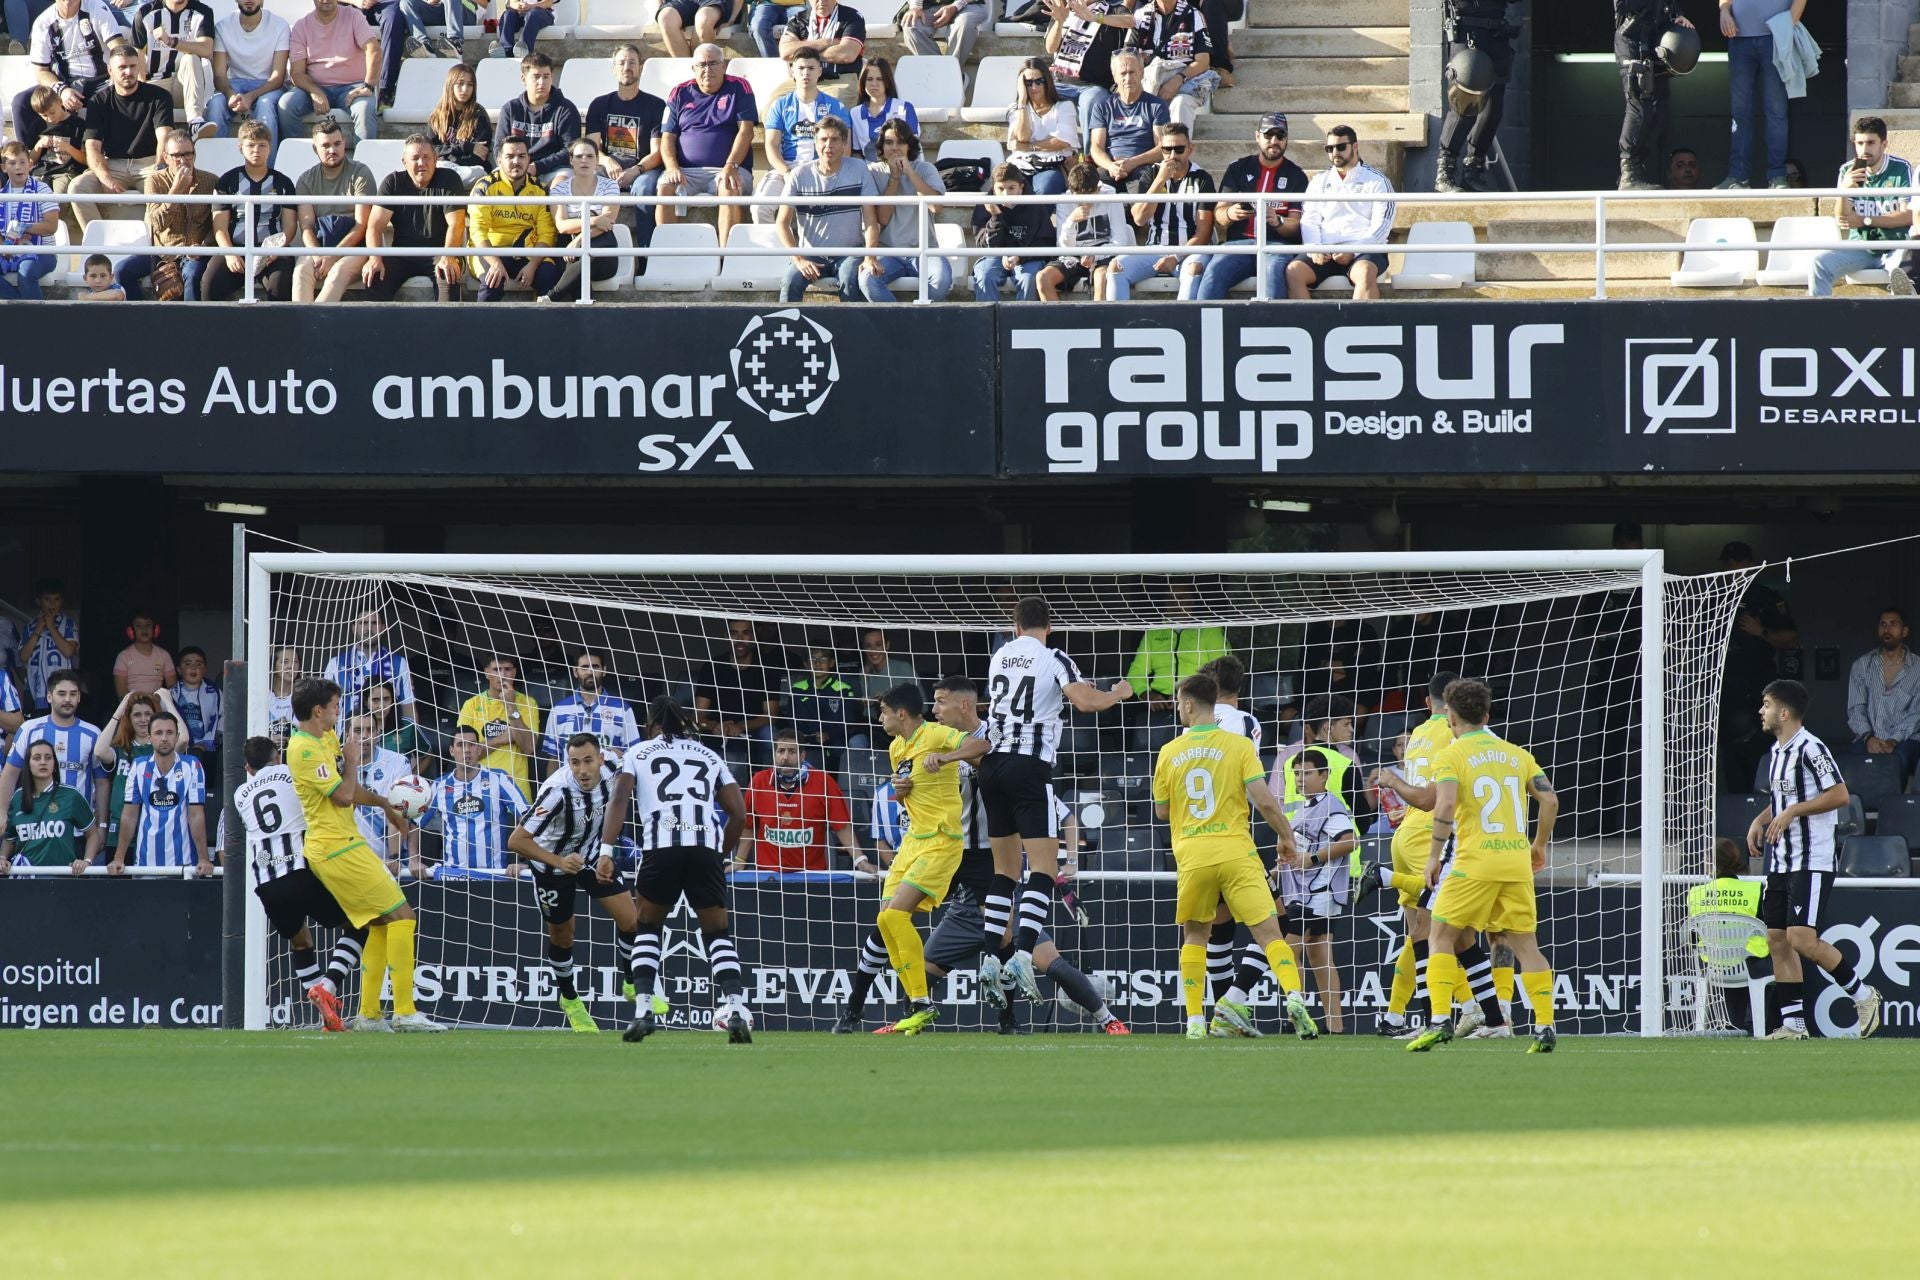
(1481, 783)
(359, 881)
(930, 851)
(1203, 782)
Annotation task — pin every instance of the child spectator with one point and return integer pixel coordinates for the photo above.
(26, 218)
(143, 666)
(98, 277)
(1009, 226)
(198, 702)
(1087, 225)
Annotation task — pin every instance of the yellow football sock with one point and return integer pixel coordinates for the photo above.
(1503, 983)
(1402, 994)
(1409, 883)
(1462, 989)
(400, 964)
(1285, 971)
(373, 970)
(1193, 977)
(904, 952)
(1539, 986)
(1443, 975)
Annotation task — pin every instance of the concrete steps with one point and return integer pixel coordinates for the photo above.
(1269, 74)
(1326, 99)
(1328, 13)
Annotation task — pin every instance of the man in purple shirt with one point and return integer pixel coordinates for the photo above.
(706, 140)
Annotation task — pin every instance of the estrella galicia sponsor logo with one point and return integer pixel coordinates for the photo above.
(1681, 386)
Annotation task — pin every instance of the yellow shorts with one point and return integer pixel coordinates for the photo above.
(360, 883)
(1477, 904)
(1410, 850)
(927, 865)
(1242, 885)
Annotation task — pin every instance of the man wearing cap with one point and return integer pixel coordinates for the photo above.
(1763, 626)
(1268, 171)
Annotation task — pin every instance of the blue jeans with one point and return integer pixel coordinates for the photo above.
(20, 16)
(296, 103)
(1225, 270)
(133, 270)
(523, 28)
(1835, 263)
(1130, 271)
(768, 19)
(1084, 97)
(30, 270)
(266, 109)
(646, 184)
(1049, 182)
(1750, 67)
(845, 270)
(990, 273)
(939, 278)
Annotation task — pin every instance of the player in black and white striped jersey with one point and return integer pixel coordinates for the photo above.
(1029, 687)
(556, 839)
(290, 893)
(1797, 832)
(672, 782)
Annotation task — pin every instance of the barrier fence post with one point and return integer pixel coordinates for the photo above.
(1599, 243)
(1260, 289)
(233, 772)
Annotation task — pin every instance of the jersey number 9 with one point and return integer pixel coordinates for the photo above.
(1201, 801)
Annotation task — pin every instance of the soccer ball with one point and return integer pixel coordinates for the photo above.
(410, 795)
(722, 1012)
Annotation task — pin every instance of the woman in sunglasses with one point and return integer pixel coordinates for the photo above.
(1043, 129)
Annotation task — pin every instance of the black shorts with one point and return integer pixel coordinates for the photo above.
(688, 8)
(1018, 791)
(1323, 271)
(666, 874)
(1795, 898)
(297, 897)
(1072, 273)
(557, 892)
(1298, 924)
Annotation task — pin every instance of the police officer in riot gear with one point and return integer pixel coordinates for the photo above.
(1481, 38)
(1645, 64)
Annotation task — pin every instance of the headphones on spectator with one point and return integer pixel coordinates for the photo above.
(156, 631)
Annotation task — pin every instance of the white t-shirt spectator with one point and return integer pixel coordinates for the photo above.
(1061, 120)
(250, 53)
(80, 41)
(1348, 221)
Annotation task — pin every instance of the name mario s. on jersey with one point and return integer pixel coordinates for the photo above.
(783, 366)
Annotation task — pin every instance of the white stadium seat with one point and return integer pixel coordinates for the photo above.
(417, 92)
(743, 274)
(681, 275)
(660, 76)
(971, 149)
(216, 155)
(993, 82)
(947, 235)
(1722, 253)
(1436, 270)
(1789, 268)
(879, 15)
(118, 238)
(16, 76)
(584, 79)
(382, 155)
(496, 81)
(933, 84)
(769, 77)
(294, 158)
(616, 19)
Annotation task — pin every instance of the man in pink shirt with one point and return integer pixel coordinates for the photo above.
(142, 666)
(333, 57)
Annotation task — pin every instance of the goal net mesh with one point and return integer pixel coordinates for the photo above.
(1345, 655)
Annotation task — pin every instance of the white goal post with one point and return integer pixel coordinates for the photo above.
(1507, 612)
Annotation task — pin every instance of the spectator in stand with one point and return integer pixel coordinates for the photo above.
(769, 22)
(67, 49)
(60, 153)
(962, 20)
(125, 739)
(1043, 130)
(1346, 645)
(12, 712)
(416, 226)
(128, 125)
(590, 709)
(9, 645)
(27, 217)
(1122, 126)
(791, 122)
(626, 125)
(370, 661)
(1763, 626)
(833, 30)
(1168, 226)
(1796, 173)
(143, 666)
(1754, 75)
(1081, 49)
(507, 720)
(379, 770)
(541, 115)
(164, 821)
(1087, 224)
(844, 226)
(400, 736)
(885, 828)
(1175, 34)
(98, 280)
(743, 697)
(1266, 170)
(1867, 220)
(460, 128)
(73, 741)
(1320, 887)
(173, 226)
(196, 700)
(582, 221)
(1346, 222)
(1883, 694)
(523, 227)
(286, 670)
(880, 101)
(521, 22)
(706, 139)
(333, 58)
(703, 17)
(1327, 723)
(51, 643)
(275, 225)
(1683, 169)
(791, 810)
(251, 50)
(1167, 655)
(177, 36)
(879, 669)
(822, 705)
(336, 226)
(48, 823)
(1009, 226)
(475, 809)
(900, 169)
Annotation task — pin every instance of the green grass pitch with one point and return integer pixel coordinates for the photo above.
(501, 1154)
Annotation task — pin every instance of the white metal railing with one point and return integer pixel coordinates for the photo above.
(924, 249)
(65, 871)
